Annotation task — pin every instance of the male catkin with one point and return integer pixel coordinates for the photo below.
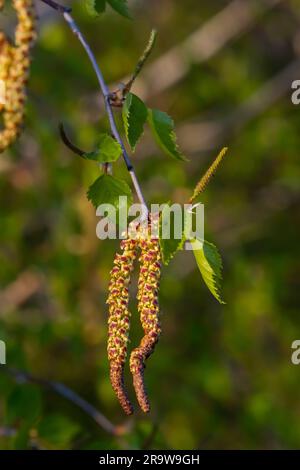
(148, 307)
(119, 314)
(14, 70)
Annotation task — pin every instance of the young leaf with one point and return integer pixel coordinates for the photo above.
(120, 6)
(107, 189)
(134, 118)
(208, 175)
(108, 150)
(162, 126)
(171, 237)
(95, 7)
(210, 265)
(141, 62)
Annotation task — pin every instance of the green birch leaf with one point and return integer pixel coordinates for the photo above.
(107, 189)
(95, 7)
(162, 126)
(210, 265)
(134, 117)
(120, 6)
(108, 150)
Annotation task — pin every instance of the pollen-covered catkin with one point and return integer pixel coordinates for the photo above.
(148, 307)
(5, 60)
(119, 319)
(16, 61)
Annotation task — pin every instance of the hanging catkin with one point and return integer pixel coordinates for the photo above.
(14, 70)
(148, 307)
(119, 319)
(119, 314)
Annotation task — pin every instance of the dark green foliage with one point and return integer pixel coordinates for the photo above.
(57, 430)
(120, 6)
(107, 189)
(96, 7)
(162, 126)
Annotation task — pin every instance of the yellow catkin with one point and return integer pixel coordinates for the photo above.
(5, 60)
(15, 64)
(119, 319)
(148, 307)
(208, 175)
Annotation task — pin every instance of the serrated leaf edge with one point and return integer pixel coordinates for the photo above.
(216, 277)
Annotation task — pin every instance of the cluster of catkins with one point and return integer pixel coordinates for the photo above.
(119, 315)
(14, 70)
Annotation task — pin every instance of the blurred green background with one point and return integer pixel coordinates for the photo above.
(221, 376)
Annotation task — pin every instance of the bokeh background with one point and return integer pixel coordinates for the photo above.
(221, 376)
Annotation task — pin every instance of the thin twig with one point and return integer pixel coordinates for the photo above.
(106, 167)
(67, 393)
(106, 94)
(117, 97)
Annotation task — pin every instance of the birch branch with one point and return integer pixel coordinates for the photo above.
(105, 91)
(70, 395)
